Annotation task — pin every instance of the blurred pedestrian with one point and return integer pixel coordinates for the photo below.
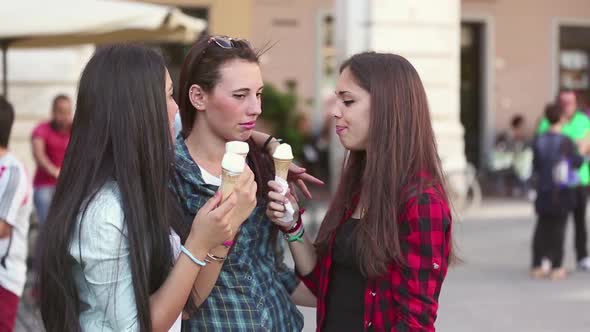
(577, 128)
(50, 141)
(556, 159)
(15, 210)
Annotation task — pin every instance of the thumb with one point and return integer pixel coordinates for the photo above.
(212, 203)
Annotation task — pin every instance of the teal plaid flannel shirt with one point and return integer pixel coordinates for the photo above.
(253, 290)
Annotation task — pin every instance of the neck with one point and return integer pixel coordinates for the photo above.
(570, 117)
(3, 152)
(206, 148)
(556, 128)
(58, 128)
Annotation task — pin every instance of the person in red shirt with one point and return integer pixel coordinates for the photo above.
(50, 141)
(384, 247)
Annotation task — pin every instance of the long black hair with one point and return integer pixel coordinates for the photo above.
(120, 133)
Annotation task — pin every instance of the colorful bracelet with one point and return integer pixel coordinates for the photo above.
(193, 258)
(294, 228)
(297, 237)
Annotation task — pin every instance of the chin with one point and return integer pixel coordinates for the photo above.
(242, 136)
(345, 144)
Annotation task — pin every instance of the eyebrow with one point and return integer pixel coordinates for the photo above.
(246, 89)
(342, 92)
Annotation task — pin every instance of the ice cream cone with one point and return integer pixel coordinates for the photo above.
(283, 156)
(282, 167)
(228, 182)
(232, 166)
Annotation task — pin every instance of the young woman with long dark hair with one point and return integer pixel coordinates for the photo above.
(248, 288)
(384, 247)
(108, 250)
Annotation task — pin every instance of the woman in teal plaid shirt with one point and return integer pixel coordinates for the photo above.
(246, 287)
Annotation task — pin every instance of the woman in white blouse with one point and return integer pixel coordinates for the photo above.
(110, 256)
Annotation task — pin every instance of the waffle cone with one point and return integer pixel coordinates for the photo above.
(282, 167)
(228, 182)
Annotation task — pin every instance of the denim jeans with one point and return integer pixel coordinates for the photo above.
(42, 199)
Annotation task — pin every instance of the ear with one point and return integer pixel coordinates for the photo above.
(198, 97)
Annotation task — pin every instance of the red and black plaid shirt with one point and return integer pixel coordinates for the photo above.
(406, 298)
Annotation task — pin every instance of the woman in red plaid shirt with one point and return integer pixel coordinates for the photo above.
(384, 247)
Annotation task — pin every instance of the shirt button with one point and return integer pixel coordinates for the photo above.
(435, 266)
(373, 293)
(249, 278)
(368, 323)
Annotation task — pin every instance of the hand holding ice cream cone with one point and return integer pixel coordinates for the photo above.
(232, 166)
(245, 192)
(237, 178)
(283, 156)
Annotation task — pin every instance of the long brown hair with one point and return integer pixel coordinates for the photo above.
(201, 66)
(401, 146)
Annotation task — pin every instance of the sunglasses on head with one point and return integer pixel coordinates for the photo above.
(227, 42)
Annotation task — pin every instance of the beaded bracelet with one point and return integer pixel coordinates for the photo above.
(193, 258)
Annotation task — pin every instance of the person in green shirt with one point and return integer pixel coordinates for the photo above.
(577, 128)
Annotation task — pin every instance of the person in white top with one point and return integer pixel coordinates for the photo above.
(114, 255)
(15, 210)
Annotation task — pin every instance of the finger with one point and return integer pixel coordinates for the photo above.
(246, 176)
(310, 179)
(229, 232)
(276, 197)
(278, 215)
(212, 203)
(303, 187)
(275, 186)
(296, 169)
(248, 171)
(292, 193)
(226, 206)
(292, 198)
(276, 206)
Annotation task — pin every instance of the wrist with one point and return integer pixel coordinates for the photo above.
(195, 246)
(219, 251)
(293, 228)
(271, 144)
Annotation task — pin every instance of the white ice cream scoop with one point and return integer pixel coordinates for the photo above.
(284, 152)
(237, 147)
(233, 162)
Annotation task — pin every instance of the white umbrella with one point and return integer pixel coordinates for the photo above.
(56, 23)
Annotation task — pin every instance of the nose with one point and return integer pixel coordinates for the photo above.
(255, 108)
(335, 110)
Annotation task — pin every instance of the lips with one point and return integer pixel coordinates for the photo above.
(248, 125)
(340, 129)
